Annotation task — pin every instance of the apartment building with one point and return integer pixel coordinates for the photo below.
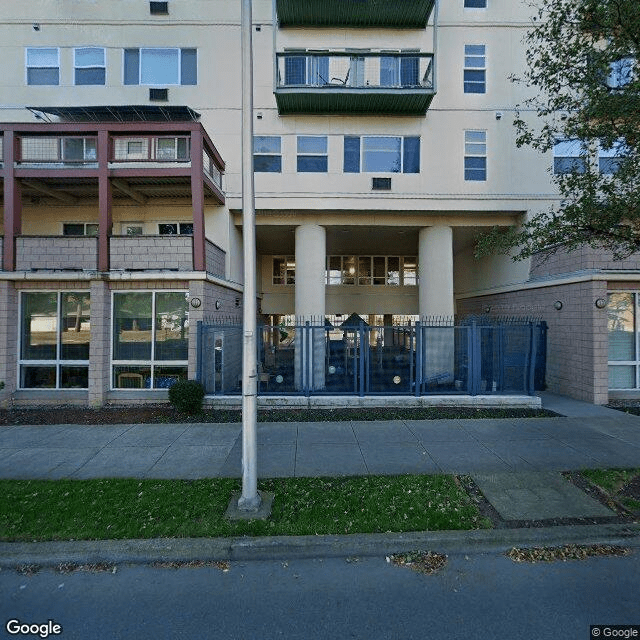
(383, 145)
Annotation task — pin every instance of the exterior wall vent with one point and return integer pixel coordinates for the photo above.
(380, 184)
(159, 94)
(158, 8)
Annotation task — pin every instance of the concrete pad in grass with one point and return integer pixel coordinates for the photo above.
(314, 460)
(121, 462)
(537, 496)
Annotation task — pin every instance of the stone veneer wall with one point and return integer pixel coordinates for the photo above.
(8, 338)
(577, 344)
(151, 252)
(56, 253)
(562, 261)
(215, 259)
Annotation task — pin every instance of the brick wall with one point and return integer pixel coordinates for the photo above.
(577, 343)
(8, 338)
(151, 252)
(56, 253)
(100, 347)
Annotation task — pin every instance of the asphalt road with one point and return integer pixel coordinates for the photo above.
(478, 596)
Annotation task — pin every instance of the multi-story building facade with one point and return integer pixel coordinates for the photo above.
(383, 146)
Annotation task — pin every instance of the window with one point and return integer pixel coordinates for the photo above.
(266, 154)
(622, 324)
(475, 68)
(475, 4)
(161, 67)
(89, 66)
(150, 339)
(175, 228)
(132, 229)
(43, 66)
(54, 340)
(475, 155)
(399, 71)
(391, 154)
(371, 270)
(620, 73)
(307, 70)
(312, 154)
(79, 229)
(172, 149)
(609, 160)
(284, 270)
(569, 156)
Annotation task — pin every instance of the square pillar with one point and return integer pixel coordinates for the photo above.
(100, 346)
(9, 327)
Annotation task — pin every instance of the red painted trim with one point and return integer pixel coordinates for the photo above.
(217, 194)
(12, 203)
(105, 201)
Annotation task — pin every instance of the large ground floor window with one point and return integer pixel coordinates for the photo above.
(150, 339)
(624, 340)
(54, 340)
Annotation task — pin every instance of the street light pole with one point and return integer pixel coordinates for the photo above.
(250, 498)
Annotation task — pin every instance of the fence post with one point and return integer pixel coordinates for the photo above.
(475, 359)
(533, 347)
(306, 360)
(419, 355)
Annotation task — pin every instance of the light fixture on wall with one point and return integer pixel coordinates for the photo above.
(218, 304)
(36, 26)
(601, 303)
(487, 308)
(557, 305)
(196, 302)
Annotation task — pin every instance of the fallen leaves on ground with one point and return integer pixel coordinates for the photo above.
(427, 562)
(566, 552)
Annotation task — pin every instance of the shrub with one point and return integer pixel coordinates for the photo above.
(187, 396)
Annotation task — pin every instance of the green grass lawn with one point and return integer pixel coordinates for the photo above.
(613, 481)
(35, 510)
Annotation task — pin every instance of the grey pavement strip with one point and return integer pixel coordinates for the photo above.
(537, 496)
(13, 554)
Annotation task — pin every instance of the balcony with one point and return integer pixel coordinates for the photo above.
(408, 14)
(344, 83)
(37, 253)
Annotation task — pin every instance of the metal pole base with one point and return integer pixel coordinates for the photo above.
(256, 508)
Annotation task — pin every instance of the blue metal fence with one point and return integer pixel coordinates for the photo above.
(475, 356)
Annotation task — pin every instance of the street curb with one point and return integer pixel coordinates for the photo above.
(13, 554)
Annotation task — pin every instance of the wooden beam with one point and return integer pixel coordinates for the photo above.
(121, 185)
(63, 196)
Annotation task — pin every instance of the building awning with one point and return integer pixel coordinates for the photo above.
(124, 113)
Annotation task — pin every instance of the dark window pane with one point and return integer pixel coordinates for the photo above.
(569, 165)
(409, 72)
(411, 160)
(351, 154)
(167, 229)
(312, 164)
(39, 326)
(267, 164)
(43, 76)
(189, 66)
(90, 76)
(475, 4)
(74, 377)
(73, 148)
(37, 377)
(172, 331)
(75, 326)
(132, 66)
(132, 326)
(294, 70)
(165, 377)
(186, 228)
(73, 229)
(132, 377)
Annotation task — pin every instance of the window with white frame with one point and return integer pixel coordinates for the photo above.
(475, 4)
(284, 270)
(475, 155)
(89, 65)
(79, 229)
(381, 154)
(150, 339)
(55, 328)
(43, 66)
(160, 66)
(312, 154)
(175, 228)
(371, 270)
(569, 156)
(267, 156)
(609, 159)
(620, 73)
(624, 351)
(475, 68)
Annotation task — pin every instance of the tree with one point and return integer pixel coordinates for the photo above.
(583, 65)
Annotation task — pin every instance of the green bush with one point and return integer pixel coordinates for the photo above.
(187, 396)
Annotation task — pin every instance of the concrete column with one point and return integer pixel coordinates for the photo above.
(435, 300)
(435, 269)
(311, 251)
(100, 346)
